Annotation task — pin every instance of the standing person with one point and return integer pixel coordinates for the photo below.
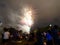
(59, 37)
(20, 35)
(32, 36)
(54, 33)
(39, 38)
(13, 34)
(48, 38)
(6, 36)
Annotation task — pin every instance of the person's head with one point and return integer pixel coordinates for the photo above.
(20, 31)
(5, 29)
(55, 27)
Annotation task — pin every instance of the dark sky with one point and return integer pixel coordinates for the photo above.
(46, 11)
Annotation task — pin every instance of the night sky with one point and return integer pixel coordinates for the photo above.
(46, 11)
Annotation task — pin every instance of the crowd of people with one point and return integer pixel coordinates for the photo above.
(12, 35)
(50, 37)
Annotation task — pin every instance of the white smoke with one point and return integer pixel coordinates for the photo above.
(47, 11)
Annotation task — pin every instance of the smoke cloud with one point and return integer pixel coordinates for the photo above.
(47, 11)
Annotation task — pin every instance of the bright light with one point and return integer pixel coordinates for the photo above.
(26, 21)
(28, 16)
(50, 25)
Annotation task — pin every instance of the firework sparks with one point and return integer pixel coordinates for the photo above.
(26, 21)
